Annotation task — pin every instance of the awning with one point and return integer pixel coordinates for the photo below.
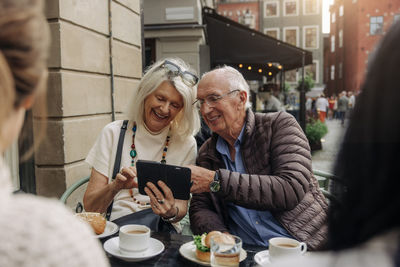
(232, 43)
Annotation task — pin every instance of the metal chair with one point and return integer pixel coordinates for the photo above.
(324, 180)
(71, 189)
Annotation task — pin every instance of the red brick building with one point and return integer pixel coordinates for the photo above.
(356, 27)
(246, 13)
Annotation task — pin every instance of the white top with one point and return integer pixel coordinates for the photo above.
(322, 104)
(308, 103)
(36, 231)
(379, 251)
(149, 146)
(352, 101)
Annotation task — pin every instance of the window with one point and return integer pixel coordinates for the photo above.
(396, 17)
(341, 11)
(310, 7)
(333, 43)
(273, 32)
(290, 8)
(376, 25)
(271, 9)
(291, 35)
(312, 70)
(310, 37)
(341, 38)
(340, 70)
(291, 76)
(333, 17)
(332, 72)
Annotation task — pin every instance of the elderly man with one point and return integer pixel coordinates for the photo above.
(254, 176)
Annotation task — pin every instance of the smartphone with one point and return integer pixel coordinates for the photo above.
(177, 178)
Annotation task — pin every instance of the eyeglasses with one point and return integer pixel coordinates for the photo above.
(212, 100)
(187, 77)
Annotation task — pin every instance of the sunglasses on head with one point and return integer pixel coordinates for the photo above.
(187, 77)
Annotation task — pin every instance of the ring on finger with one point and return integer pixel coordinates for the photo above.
(161, 201)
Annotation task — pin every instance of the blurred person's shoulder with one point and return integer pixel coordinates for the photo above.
(42, 232)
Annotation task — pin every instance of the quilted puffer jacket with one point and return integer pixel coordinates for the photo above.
(277, 158)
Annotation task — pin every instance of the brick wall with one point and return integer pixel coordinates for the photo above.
(359, 44)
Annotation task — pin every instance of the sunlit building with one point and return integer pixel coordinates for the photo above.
(356, 26)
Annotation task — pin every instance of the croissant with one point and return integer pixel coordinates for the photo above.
(96, 220)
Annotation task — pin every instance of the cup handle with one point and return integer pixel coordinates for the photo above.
(303, 248)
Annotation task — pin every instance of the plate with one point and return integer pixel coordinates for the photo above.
(262, 258)
(111, 246)
(111, 228)
(188, 251)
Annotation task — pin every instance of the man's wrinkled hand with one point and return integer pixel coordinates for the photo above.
(201, 179)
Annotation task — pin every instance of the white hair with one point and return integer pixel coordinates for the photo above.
(187, 121)
(234, 78)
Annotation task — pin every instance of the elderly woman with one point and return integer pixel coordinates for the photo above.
(161, 128)
(35, 231)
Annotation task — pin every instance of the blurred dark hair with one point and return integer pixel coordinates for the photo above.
(370, 153)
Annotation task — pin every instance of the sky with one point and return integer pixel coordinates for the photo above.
(325, 15)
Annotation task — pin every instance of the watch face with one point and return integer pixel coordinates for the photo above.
(214, 186)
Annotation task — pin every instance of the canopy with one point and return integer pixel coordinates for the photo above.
(232, 43)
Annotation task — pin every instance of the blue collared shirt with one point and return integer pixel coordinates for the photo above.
(253, 226)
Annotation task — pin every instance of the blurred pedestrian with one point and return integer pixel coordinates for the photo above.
(332, 102)
(308, 107)
(352, 102)
(343, 104)
(322, 106)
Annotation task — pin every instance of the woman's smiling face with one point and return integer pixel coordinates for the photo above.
(162, 106)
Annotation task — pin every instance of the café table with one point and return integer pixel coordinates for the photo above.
(171, 256)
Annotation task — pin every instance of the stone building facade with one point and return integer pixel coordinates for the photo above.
(95, 61)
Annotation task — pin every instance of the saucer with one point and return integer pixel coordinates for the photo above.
(188, 251)
(262, 258)
(111, 246)
(111, 228)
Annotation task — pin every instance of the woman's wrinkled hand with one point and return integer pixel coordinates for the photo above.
(162, 203)
(126, 178)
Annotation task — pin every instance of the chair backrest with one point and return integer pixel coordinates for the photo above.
(80, 183)
(324, 180)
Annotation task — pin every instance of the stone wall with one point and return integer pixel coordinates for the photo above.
(79, 87)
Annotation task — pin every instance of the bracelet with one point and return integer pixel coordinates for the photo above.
(171, 219)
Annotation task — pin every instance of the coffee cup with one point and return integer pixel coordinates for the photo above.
(280, 247)
(133, 238)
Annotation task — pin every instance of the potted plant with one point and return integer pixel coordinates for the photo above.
(315, 130)
(308, 82)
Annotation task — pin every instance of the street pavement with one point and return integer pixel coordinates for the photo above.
(324, 159)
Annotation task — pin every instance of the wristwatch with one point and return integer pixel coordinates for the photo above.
(215, 184)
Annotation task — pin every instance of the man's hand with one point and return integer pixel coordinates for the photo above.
(201, 179)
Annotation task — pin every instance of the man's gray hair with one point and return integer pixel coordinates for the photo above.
(187, 121)
(234, 78)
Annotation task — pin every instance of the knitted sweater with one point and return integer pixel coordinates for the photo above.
(41, 232)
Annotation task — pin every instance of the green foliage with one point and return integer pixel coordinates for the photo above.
(308, 82)
(199, 245)
(286, 87)
(315, 130)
